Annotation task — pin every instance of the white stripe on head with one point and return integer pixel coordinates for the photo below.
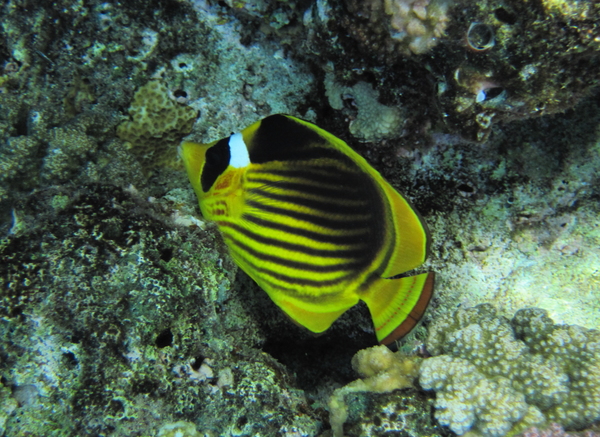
(238, 151)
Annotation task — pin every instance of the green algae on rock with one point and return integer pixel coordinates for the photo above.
(116, 327)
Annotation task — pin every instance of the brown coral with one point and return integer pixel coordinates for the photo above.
(392, 28)
(157, 124)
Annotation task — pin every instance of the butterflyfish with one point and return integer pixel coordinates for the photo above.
(313, 224)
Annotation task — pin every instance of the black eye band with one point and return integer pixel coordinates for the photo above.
(216, 161)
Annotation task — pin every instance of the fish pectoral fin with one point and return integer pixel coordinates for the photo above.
(314, 321)
(397, 305)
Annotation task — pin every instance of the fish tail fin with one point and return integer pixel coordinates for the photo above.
(397, 305)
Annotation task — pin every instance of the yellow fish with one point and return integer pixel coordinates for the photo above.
(313, 224)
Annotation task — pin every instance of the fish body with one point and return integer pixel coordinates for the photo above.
(313, 224)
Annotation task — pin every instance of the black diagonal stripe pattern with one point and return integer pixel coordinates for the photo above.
(312, 228)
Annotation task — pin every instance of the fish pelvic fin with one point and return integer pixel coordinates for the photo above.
(397, 305)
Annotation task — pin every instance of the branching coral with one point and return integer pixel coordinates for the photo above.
(572, 354)
(495, 376)
(467, 398)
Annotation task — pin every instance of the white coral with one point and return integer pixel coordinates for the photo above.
(519, 374)
(374, 121)
(466, 399)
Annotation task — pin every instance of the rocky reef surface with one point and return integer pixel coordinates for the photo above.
(121, 313)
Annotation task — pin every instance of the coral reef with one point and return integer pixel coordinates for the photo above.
(157, 125)
(555, 430)
(533, 68)
(241, 85)
(401, 412)
(271, 15)
(78, 71)
(382, 370)
(112, 327)
(513, 222)
(496, 376)
(466, 399)
(16, 170)
(178, 429)
(69, 148)
(121, 314)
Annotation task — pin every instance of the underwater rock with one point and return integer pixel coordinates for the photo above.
(403, 412)
(477, 63)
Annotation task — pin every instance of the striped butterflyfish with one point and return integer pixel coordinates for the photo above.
(313, 224)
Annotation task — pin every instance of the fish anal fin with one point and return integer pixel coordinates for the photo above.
(397, 305)
(314, 321)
